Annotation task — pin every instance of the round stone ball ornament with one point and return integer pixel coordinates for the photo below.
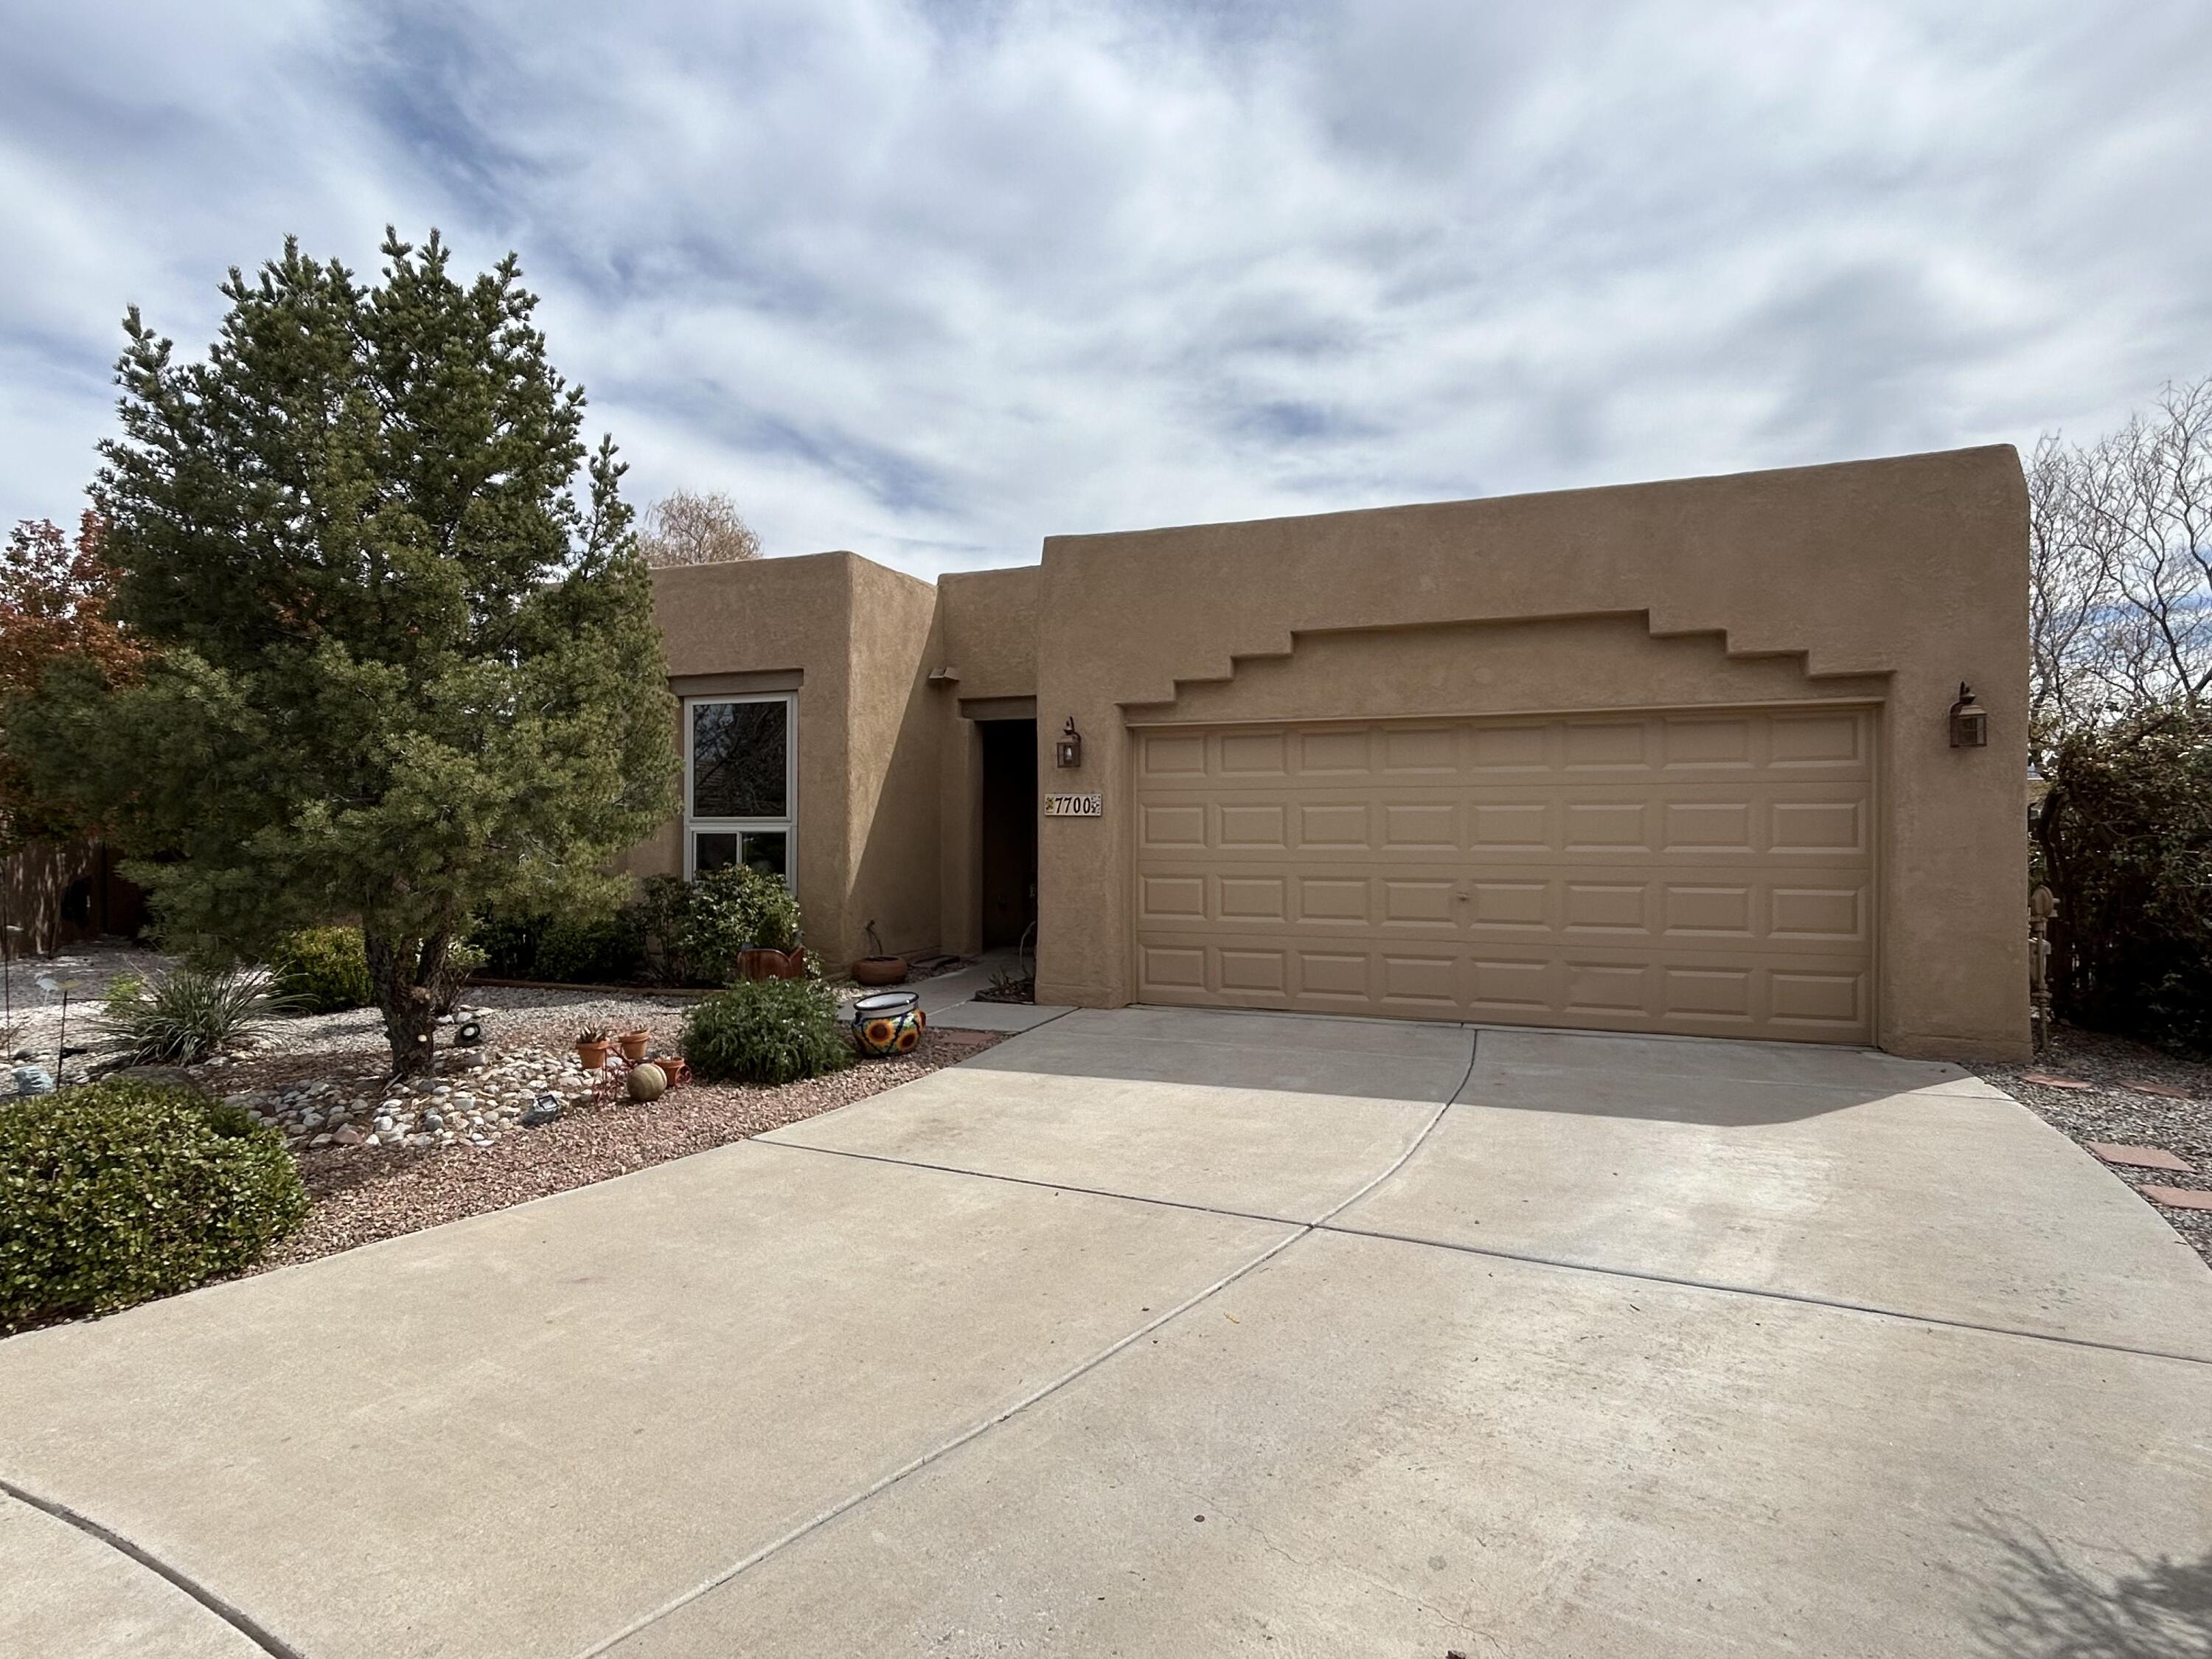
(646, 1081)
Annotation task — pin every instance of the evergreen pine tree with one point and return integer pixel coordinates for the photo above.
(405, 663)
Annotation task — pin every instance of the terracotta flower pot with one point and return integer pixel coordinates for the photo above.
(593, 1054)
(760, 962)
(880, 970)
(633, 1045)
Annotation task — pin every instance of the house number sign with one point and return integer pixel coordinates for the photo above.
(1074, 806)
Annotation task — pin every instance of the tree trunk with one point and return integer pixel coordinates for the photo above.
(401, 972)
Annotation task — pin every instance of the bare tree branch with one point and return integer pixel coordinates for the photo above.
(2120, 569)
(689, 527)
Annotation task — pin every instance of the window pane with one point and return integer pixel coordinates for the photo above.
(738, 755)
(764, 851)
(713, 849)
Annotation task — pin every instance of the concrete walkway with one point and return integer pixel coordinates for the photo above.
(1182, 1333)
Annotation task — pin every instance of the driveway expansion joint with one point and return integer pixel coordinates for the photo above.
(1803, 1298)
(1327, 1222)
(1299, 1230)
(244, 1623)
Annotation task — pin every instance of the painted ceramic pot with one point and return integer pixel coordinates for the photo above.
(889, 1023)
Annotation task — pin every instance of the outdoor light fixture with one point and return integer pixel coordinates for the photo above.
(1068, 751)
(1970, 721)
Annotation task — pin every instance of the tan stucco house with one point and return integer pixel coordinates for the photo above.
(1669, 757)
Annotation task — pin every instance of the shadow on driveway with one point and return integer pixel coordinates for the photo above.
(2036, 1602)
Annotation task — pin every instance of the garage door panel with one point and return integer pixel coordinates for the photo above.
(1342, 977)
(1503, 750)
(1606, 906)
(1421, 751)
(1818, 741)
(1253, 755)
(1171, 755)
(1703, 873)
(1804, 826)
(1335, 900)
(1325, 754)
(1337, 826)
(1418, 826)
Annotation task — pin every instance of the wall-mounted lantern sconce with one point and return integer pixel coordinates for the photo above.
(1970, 721)
(1068, 750)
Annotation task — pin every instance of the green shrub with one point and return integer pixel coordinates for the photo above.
(769, 1030)
(2125, 839)
(508, 942)
(116, 1192)
(677, 933)
(322, 970)
(706, 921)
(187, 1015)
(592, 950)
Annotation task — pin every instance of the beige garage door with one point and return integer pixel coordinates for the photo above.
(1709, 873)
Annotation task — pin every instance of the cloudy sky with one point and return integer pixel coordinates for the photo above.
(932, 279)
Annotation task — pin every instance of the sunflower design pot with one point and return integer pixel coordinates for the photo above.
(888, 1022)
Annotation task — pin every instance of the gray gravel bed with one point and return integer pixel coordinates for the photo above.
(2113, 1113)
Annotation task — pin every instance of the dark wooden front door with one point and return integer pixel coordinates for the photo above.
(1009, 829)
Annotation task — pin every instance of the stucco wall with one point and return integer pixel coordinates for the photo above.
(1547, 665)
(861, 640)
(990, 629)
(896, 728)
(770, 615)
(1911, 570)
(987, 634)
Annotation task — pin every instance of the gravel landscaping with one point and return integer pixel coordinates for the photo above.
(382, 1159)
(322, 1078)
(2112, 1111)
(373, 1193)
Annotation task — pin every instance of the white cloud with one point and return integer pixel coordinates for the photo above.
(933, 282)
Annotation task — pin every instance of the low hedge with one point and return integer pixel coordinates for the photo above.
(590, 950)
(766, 1031)
(116, 1192)
(674, 932)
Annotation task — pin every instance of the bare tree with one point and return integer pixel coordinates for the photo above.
(2120, 569)
(690, 526)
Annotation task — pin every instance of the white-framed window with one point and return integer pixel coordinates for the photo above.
(741, 783)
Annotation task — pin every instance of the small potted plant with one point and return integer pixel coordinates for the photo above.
(592, 1048)
(633, 1043)
(878, 968)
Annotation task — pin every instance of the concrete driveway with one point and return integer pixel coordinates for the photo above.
(1155, 1333)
